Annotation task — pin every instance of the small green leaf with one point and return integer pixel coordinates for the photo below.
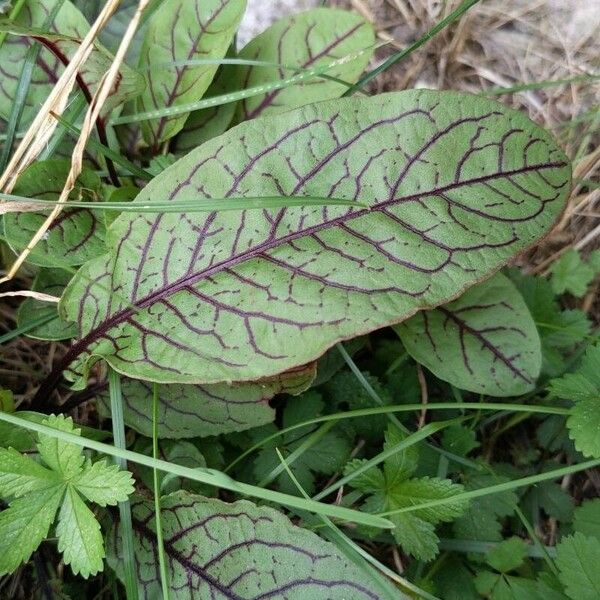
(485, 342)
(550, 497)
(65, 458)
(20, 474)
(459, 439)
(7, 401)
(571, 274)
(577, 558)
(104, 484)
(306, 40)
(25, 524)
(507, 556)
(587, 518)
(370, 481)
(584, 426)
(79, 537)
(402, 464)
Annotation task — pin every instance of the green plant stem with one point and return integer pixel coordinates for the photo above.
(203, 475)
(164, 574)
(501, 487)
(14, 13)
(126, 526)
(367, 412)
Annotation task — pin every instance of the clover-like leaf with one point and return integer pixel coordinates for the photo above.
(183, 30)
(65, 458)
(53, 282)
(104, 484)
(308, 39)
(187, 411)
(76, 236)
(60, 44)
(237, 550)
(486, 341)
(455, 186)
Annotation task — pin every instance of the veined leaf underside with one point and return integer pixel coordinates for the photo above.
(456, 186)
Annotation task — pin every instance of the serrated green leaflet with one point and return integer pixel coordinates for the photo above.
(76, 236)
(486, 341)
(238, 296)
(308, 39)
(237, 550)
(61, 42)
(577, 559)
(39, 493)
(187, 411)
(181, 30)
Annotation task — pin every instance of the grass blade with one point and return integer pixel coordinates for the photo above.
(398, 56)
(164, 575)
(118, 425)
(207, 476)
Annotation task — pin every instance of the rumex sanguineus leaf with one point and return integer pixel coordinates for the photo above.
(304, 40)
(218, 550)
(455, 185)
(187, 411)
(60, 44)
(183, 30)
(76, 236)
(485, 342)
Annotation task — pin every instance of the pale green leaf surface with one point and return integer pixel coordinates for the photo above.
(402, 464)
(485, 342)
(53, 282)
(25, 524)
(238, 296)
(76, 235)
(370, 481)
(307, 39)
(183, 30)
(65, 458)
(195, 410)
(237, 550)
(79, 536)
(104, 484)
(577, 558)
(20, 474)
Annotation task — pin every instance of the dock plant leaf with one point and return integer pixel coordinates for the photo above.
(485, 342)
(60, 43)
(187, 411)
(455, 185)
(76, 235)
(238, 550)
(182, 30)
(308, 39)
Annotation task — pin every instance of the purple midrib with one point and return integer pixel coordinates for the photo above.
(189, 280)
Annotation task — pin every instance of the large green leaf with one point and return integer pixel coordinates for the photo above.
(305, 40)
(485, 342)
(218, 550)
(200, 410)
(76, 235)
(455, 185)
(60, 44)
(183, 30)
